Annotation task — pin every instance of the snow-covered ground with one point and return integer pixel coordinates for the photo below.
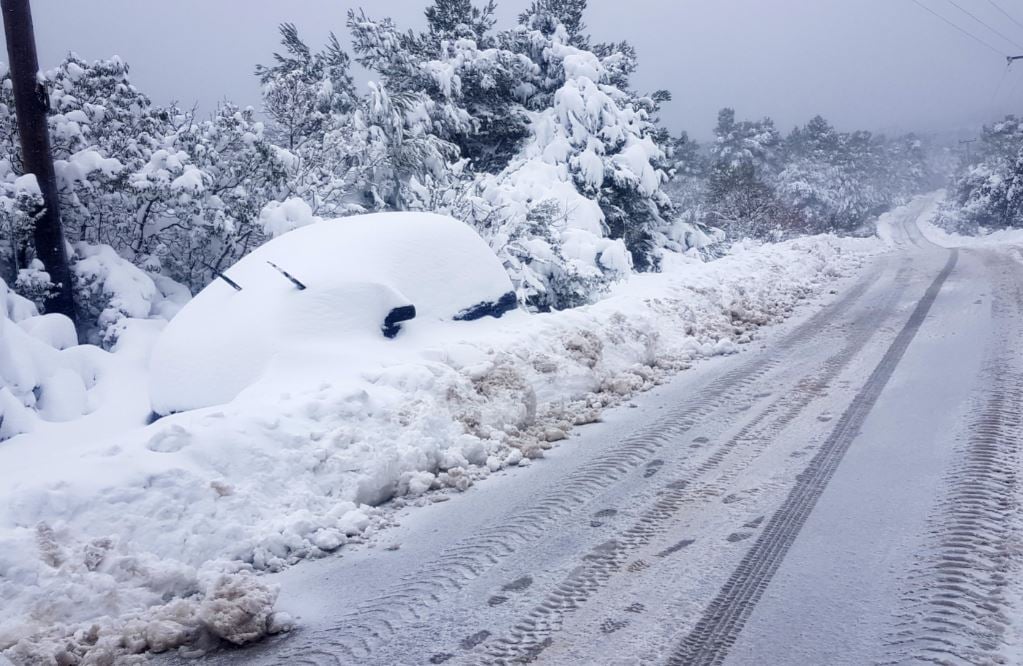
(116, 536)
(1001, 238)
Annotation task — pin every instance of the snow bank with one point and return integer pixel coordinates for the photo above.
(353, 272)
(1000, 238)
(148, 539)
(44, 375)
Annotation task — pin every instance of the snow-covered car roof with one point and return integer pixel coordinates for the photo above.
(334, 281)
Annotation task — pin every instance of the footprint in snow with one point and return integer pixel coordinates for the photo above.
(518, 585)
(171, 440)
(610, 626)
(469, 642)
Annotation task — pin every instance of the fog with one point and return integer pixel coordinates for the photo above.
(884, 65)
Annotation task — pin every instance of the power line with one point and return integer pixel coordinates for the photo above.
(1007, 14)
(959, 28)
(998, 89)
(986, 25)
(1001, 82)
(1015, 89)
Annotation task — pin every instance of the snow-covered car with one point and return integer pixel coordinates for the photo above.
(331, 283)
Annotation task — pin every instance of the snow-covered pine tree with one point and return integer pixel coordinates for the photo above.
(550, 16)
(103, 129)
(835, 181)
(450, 20)
(687, 169)
(404, 124)
(471, 87)
(304, 93)
(593, 169)
(310, 99)
(744, 162)
(814, 178)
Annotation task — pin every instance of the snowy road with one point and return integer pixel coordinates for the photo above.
(846, 493)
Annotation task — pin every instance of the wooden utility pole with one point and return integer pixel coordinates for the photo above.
(967, 143)
(32, 103)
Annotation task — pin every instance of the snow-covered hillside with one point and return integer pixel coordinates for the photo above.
(118, 537)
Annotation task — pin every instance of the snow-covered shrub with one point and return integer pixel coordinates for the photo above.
(34, 283)
(42, 374)
(20, 202)
(110, 289)
(988, 194)
(280, 217)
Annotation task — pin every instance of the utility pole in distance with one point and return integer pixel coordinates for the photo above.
(967, 143)
(1012, 59)
(32, 103)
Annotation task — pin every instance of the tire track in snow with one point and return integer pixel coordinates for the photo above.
(721, 623)
(532, 634)
(956, 609)
(357, 635)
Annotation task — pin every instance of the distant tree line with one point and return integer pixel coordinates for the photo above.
(751, 182)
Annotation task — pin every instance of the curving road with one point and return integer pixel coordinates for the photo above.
(848, 493)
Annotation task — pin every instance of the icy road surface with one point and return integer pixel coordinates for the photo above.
(847, 493)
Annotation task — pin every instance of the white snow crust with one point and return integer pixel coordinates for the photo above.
(118, 537)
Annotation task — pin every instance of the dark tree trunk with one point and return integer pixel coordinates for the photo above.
(32, 103)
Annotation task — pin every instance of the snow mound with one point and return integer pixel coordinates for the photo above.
(328, 283)
(117, 541)
(44, 375)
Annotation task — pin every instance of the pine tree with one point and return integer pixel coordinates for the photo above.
(311, 101)
(305, 92)
(471, 86)
(744, 162)
(548, 16)
(459, 19)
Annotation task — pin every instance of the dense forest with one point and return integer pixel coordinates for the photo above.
(531, 133)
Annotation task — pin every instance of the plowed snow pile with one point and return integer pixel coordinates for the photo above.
(119, 540)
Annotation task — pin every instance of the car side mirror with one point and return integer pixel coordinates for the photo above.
(394, 318)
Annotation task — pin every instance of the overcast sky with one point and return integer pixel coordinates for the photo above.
(875, 64)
